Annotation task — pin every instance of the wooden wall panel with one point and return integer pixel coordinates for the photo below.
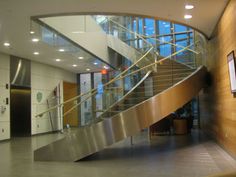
(217, 103)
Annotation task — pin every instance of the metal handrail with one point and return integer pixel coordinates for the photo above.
(111, 81)
(124, 96)
(144, 37)
(118, 77)
(138, 70)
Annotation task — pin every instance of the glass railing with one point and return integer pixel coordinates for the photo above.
(163, 44)
(105, 94)
(170, 70)
(138, 49)
(127, 88)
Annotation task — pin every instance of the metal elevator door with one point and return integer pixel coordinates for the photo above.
(20, 103)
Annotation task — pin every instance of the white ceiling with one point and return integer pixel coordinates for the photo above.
(15, 19)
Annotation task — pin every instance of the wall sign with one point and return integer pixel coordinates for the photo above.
(39, 96)
(232, 74)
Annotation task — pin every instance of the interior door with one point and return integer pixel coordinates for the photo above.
(20, 111)
(70, 90)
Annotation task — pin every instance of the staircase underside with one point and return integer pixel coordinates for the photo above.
(87, 140)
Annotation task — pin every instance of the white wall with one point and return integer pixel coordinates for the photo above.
(4, 93)
(45, 79)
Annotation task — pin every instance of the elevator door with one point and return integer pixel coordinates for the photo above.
(20, 111)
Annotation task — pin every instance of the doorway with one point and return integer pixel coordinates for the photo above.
(70, 90)
(20, 104)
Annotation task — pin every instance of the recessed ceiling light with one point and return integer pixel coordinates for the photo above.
(81, 58)
(189, 6)
(61, 50)
(74, 65)
(87, 69)
(58, 59)
(95, 63)
(35, 40)
(32, 32)
(36, 53)
(144, 26)
(187, 16)
(105, 67)
(7, 44)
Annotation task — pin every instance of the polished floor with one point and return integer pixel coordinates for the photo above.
(192, 155)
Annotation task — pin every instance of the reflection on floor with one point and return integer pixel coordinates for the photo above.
(165, 156)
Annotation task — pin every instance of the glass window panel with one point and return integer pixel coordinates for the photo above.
(149, 26)
(165, 50)
(140, 26)
(191, 34)
(152, 41)
(180, 28)
(135, 42)
(181, 36)
(165, 39)
(85, 85)
(181, 43)
(164, 27)
(128, 26)
(134, 25)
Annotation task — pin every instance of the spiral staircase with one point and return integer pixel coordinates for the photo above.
(158, 85)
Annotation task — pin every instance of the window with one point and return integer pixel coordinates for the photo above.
(180, 28)
(164, 27)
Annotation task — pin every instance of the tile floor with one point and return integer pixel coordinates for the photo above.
(192, 155)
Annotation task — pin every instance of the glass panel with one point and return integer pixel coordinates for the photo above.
(181, 36)
(140, 25)
(85, 85)
(165, 49)
(98, 84)
(149, 26)
(135, 42)
(181, 43)
(164, 27)
(180, 28)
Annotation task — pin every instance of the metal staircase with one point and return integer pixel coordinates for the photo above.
(97, 136)
(156, 88)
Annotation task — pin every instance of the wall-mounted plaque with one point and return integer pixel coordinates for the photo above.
(232, 74)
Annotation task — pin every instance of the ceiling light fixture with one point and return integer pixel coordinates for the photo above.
(87, 69)
(187, 16)
(61, 50)
(36, 53)
(74, 65)
(81, 58)
(189, 6)
(32, 32)
(58, 59)
(105, 67)
(35, 40)
(7, 44)
(95, 63)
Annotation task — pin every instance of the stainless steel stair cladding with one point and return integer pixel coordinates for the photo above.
(88, 140)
